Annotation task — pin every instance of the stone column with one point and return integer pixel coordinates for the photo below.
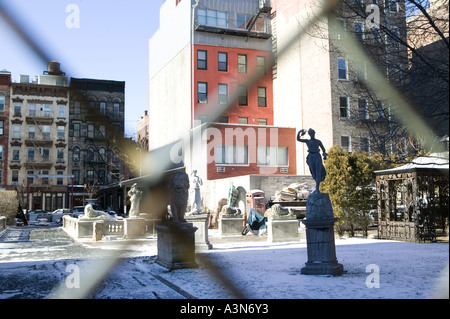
(97, 231)
(321, 248)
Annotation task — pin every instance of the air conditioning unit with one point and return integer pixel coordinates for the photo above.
(283, 170)
(220, 169)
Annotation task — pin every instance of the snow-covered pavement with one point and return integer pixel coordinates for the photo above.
(374, 269)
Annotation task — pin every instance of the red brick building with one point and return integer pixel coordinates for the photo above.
(5, 88)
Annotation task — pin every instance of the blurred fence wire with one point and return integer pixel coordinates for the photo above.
(158, 163)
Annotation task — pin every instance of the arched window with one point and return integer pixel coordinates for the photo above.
(90, 154)
(76, 154)
(102, 154)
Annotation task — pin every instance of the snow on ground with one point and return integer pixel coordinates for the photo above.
(256, 268)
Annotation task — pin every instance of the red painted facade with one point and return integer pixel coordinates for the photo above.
(233, 78)
(252, 137)
(5, 86)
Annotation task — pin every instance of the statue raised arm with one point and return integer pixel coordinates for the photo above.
(314, 159)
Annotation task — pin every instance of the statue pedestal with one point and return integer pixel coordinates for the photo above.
(176, 245)
(321, 248)
(281, 229)
(231, 224)
(133, 227)
(201, 235)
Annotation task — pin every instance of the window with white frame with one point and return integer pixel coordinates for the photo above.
(223, 93)
(343, 107)
(342, 69)
(242, 63)
(364, 144)
(261, 64)
(60, 154)
(31, 109)
(273, 155)
(16, 153)
(202, 89)
(2, 127)
(16, 131)
(17, 109)
(231, 154)
(47, 110)
(14, 176)
(262, 96)
(1, 152)
(2, 103)
(363, 112)
(222, 61)
(345, 143)
(61, 133)
(31, 152)
(61, 111)
(358, 28)
(45, 130)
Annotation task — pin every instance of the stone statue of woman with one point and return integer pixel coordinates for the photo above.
(314, 159)
(196, 199)
(135, 198)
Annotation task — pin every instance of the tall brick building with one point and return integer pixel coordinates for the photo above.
(5, 88)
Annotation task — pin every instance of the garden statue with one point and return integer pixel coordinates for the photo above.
(90, 213)
(178, 195)
(313, 159)
(135, 198)
(196, 200)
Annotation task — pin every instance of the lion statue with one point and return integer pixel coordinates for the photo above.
(277, 211)
(178, 195)
(90, 213)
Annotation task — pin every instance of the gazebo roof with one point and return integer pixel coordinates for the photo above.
(425, 163)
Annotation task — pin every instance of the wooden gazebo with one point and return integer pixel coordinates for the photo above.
(413, 199)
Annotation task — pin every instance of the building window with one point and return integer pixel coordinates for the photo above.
(45, 152)
(90, 177)
(231, 154)
(2, 103)
(102, 154)
(363, 113)
(342, 69)
(261, 64)
(17, 109)
(76, 107)
(90, 154)
(1, 153)
(101, 176)
(60, 155)
(61, 133)
(30, 154)
(273, 156)
(203, 118)
(16, 154)
(61, 111)
(116, 109)
(31, 109)
(14, 176)
(202, 92)
(244, 21)
(212, 18)
(262, 121)
(243, 120)
(243, 95)
(223, 119)
(45, 129)
(47, 110)
(102, 131)
(16, 131)
(202, 60)
(223, 61)
(2, 127)
(345, 143)
(393, 5)
(76, 154)
(31, 179)
(59, 181)
(340, 22)
(262, 97)
(102, 108)
(358, 28)
(242, 63)
(343, 107)
(76, 176)
(31, 132)
(364, 144)
(90, 132)
(223, 93)
(76, 129)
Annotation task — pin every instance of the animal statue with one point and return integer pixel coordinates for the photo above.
(90, 213)
(278, 211)
(178, 195)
